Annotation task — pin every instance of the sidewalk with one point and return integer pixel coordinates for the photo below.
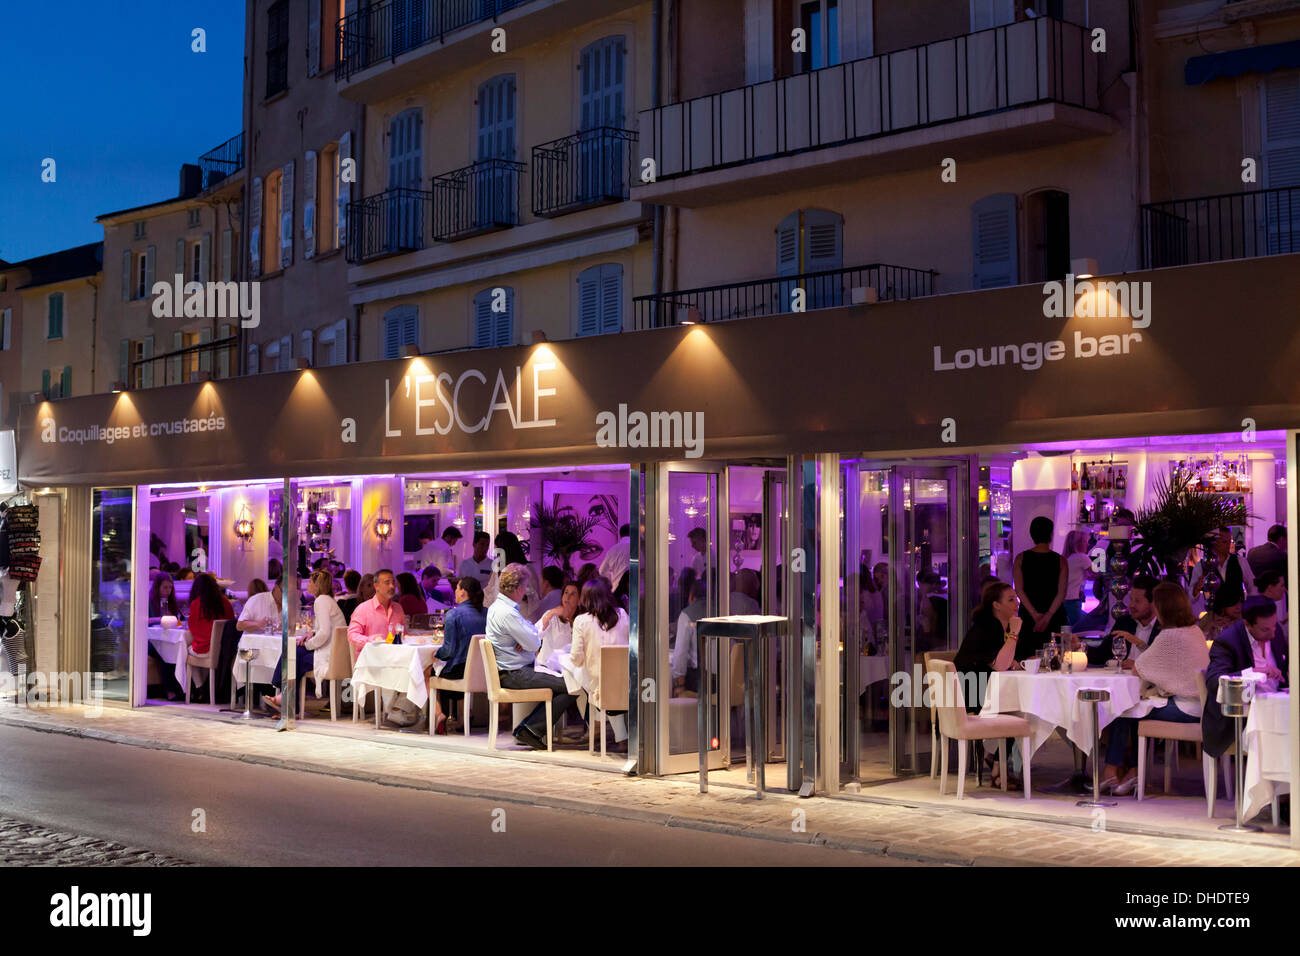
(927, 834)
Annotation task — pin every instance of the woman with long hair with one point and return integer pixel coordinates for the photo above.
(411, 598)
(1079, 569)
(162, 598)
(600, 622)
(508, 542)
(365, 589)
(994, 626)
(460, 625)
(556, 627)
(207, 604)
(315, 651)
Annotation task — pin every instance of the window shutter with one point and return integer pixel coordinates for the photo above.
(148, 270)
(341, 342)
(227, 249)
(787, 246)
(45, 382)
(254, 360)
(589, 301)
(255, 230)
(126, 275)
(483, 319)
(124, 362)
(146, 376)
(309, 203)
(306, 347)
(178, 343)
(503, 323)
(205, 257)
(286, 215)
(180, 261)
(313, 37)
(611, 298)
(286, 353)
(392, 336)
(343, 190)
(1281, 149)
(5, 332)
(823, 240)
(411, 328)
(994, 241)
(65, 382)
(225, 331)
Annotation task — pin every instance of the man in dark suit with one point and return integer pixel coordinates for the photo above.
(1139, 626)
(1271, 555)
(1257, 641)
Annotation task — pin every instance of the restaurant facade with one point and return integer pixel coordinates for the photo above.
(971, 409)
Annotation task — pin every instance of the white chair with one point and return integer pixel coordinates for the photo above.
(498, 695)
(206, 661)
(937, 739)
(960, 726)
(613, 686)
(473, 682)
(340, 669)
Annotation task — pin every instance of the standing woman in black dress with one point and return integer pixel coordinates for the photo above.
(1041, 575)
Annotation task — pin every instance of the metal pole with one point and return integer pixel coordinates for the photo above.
(288, 606)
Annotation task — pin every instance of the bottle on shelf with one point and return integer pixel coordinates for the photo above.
(1121, 483)
(1083, 511)
(1084, 480)
(1074, 477)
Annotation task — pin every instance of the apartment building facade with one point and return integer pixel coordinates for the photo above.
(302, 139)
(191, 239)
(11, 325)
(500, 145)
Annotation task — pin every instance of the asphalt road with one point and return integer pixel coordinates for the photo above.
(264, 816)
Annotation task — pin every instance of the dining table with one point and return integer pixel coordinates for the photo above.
(1051, 700)
(1266, 741)
(400, 668)
(172, 644)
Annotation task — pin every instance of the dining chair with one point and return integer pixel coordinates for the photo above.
(472, 682)
(958, 725)
(340, 669)
(613, 686)
(206, 661)
(937, 739)
(497, 695)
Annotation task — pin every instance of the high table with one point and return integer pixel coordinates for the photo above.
(262, 669)
(172, 645)
(395, 667)
(1265, 740)
(1051, 700)
(754, 630)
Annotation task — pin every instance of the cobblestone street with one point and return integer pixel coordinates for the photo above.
(26, 844)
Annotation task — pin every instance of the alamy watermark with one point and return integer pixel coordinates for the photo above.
(208, 300)
(39, 689)
(624, 429)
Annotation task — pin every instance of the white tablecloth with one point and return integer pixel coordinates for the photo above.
(396, 667)
(872, 668)
(1052, 700)
(268, 648)
(171, 644)
(1265, 740)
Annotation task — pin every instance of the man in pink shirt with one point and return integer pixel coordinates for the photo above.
(370, 622)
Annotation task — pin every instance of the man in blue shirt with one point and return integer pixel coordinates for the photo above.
(515, 641)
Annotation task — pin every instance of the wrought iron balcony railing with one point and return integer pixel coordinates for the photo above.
(218, 359)
(384, 30)
(587, 169)
(225, 160)
(387, 224)
(976, 74)
(1264, 222)
(777, 295)
(483, 197)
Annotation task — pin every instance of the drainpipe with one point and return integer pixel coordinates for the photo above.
(656, 66)
(242, 255)
(94, 326)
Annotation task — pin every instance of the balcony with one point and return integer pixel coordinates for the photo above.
(215, 360)
(387, 224)
(1265, 222)
(483, 197)
(392, 46)
(1009, 88)
(775, 296)
(587, 169)
(223, 161)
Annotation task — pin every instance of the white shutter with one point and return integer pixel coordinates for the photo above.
(611, 298)
(309, 203)
(313, 37)
(343, 190)
(205, 257)
(483, 319)
(589, 301)
(126, 275)
(286, 215)
(227, 250)
(255, 230)
(341, 342)
(180, 261)
(1281, 149)
(503, 323)
(993, 222)
(148, 270)
(787, 246)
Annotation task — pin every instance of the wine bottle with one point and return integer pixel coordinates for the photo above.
(1084, 481)
(1074, 477)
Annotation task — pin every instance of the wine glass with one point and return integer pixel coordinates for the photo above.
(1119, 646)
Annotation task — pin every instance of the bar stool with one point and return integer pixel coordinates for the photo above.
(1095, 697)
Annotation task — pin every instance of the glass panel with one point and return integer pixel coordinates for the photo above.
(110, 590)
(692, 582)
(874, 567)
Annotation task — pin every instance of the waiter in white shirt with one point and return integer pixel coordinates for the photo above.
(1232, 570)
(478, 565)
(439, 552)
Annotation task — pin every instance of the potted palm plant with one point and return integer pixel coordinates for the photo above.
(564, 533)
(1178, 519)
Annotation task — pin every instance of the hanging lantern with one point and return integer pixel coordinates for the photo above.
(383, 524)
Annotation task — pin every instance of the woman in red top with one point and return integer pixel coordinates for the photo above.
(412, 598)
(208, 605)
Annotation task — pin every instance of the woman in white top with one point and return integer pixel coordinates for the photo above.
(1078, 569)
(556, 626)
(314, 652)
(1168, 668)
(600, 622)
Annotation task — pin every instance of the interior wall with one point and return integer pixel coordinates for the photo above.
(241, 562)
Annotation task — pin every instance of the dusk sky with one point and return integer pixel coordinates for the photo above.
(112, 91)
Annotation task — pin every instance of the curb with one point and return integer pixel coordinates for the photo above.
(865, 845)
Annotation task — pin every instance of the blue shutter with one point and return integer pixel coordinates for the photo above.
(602, 83)
(401, 328)
(483, 319)
(65, 383)
(589, 301)
(496, 118)
(503, 323)
(411, 328)
(993, 223)
(611, 298)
